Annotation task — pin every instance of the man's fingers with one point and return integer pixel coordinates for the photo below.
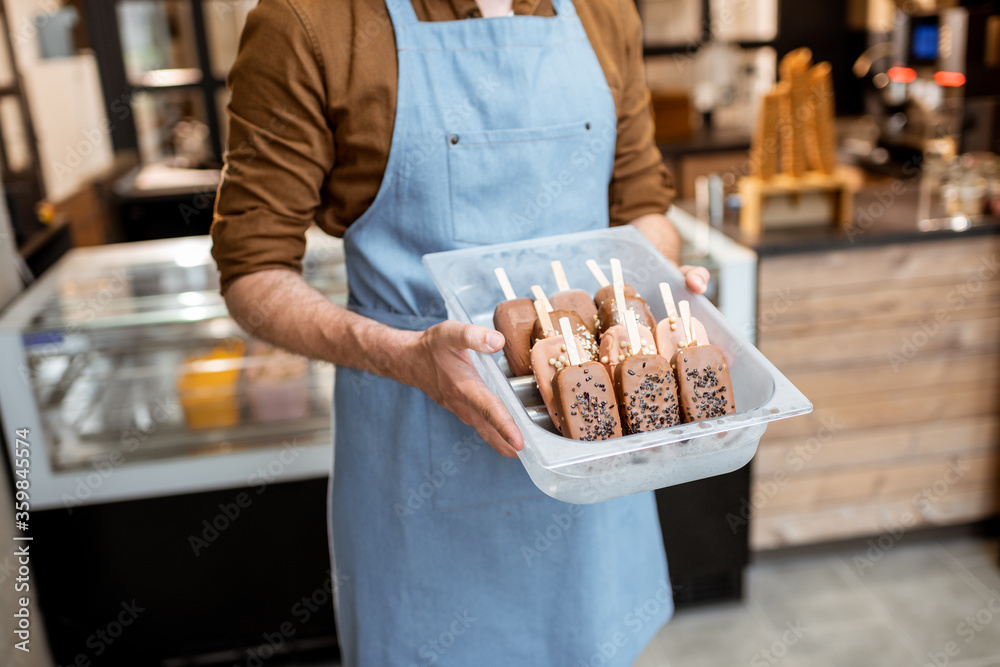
(473, 337)
(696, 278)
(492, 410)
(492, 437)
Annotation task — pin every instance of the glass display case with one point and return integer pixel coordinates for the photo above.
(135, 382)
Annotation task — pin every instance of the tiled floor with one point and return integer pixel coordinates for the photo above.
(908, 605)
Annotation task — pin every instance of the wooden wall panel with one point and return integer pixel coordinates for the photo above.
(898, 347)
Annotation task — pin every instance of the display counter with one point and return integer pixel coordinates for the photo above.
(135, 382)
(892, 329)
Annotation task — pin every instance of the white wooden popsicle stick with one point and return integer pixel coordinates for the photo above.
(508, 290)
(569, 341)
(619, 283)
(632, 326)
(557, 270)
(599, 276)
(540, 296)
(543, 316)
(668, 300)
(686, 321)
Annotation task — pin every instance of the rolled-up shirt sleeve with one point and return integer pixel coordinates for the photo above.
(640, 183)
(280, 146)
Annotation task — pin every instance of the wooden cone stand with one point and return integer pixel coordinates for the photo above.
(797, 119)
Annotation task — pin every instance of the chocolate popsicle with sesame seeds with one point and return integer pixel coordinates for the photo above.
(584, 397)
(615, 344)
(703, 382)
(646, 389)
(547, 357)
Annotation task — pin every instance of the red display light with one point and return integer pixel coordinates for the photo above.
(902, 74)
(949, 79)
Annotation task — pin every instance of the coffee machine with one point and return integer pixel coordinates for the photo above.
(935, 80)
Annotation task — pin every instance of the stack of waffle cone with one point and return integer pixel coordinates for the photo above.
(821, 136)
(797, 116)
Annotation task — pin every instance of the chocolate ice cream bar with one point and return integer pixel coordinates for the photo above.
(646, 391)
(608, 292)
(706, 390)
(575, 300)
(609, 313)
(615, 346)
(514, 318)
(538, 330)
(587, 338)
(549, 355)
(670, 335)
(584, 396)
(703, 382)
(583, 335)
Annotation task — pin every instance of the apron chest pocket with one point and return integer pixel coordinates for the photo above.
(509, 185)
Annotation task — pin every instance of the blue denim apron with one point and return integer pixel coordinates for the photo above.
(445, 553)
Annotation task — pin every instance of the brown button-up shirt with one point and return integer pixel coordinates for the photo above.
(312, 111)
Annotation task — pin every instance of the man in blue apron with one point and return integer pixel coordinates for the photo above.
(445, 553)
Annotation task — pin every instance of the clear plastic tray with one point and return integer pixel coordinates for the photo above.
(589, 472)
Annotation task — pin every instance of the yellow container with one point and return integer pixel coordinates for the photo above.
(207, 394)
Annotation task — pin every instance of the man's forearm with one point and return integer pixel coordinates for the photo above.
(280, 307)
(661, 233)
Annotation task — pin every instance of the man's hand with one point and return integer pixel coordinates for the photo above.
(661, 233)
(438, 363)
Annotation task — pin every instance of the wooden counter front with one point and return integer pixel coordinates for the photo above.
(898, 347)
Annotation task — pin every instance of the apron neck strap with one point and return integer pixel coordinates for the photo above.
(401, 12)
(564, 8)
